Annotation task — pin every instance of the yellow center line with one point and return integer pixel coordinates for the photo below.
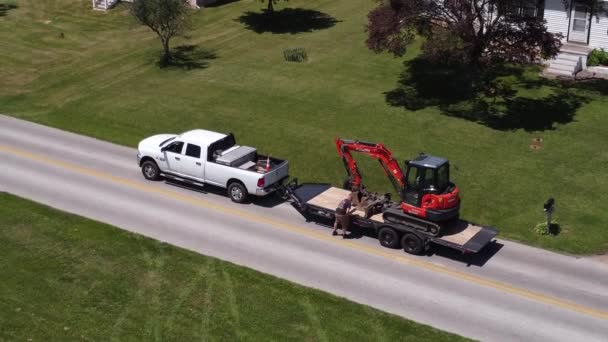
(535, 296)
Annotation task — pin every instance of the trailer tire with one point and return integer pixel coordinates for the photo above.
(388, 237)
(237, 192)
(150, 170)
(412, 244)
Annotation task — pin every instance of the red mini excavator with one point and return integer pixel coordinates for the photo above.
(428, 198)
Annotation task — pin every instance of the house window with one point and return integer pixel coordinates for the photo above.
(524, 8)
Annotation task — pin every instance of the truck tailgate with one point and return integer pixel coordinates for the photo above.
(277, 174)
(466, 236)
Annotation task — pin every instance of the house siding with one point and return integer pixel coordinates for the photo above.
(598, 33)
(557, 17)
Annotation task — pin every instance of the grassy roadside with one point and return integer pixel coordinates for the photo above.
(68, 278)
(100, 80)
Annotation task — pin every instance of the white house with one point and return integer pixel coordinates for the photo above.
(582, 31)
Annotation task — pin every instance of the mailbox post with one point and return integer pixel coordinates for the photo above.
(548, 208)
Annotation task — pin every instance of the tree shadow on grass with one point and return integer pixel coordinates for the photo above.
(493, 97)
(4, 8)
(287, 20)
(190, 57)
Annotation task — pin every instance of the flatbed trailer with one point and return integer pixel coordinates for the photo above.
(321, 200)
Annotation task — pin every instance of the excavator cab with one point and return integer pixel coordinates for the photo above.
(425, 175)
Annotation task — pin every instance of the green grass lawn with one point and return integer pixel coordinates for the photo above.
(68, 278)
(100, 79)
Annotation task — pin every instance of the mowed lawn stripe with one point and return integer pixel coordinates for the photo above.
(66, 277)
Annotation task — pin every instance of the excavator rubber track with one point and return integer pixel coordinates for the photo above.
(396, 215)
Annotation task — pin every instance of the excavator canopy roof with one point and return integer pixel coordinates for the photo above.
(428, 161)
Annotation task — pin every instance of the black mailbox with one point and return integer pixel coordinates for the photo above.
(548, 206)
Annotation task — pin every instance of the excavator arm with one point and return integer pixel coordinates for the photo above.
(377, 151)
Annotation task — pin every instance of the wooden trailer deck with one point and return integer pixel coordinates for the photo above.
(460, 233)
(330, 198)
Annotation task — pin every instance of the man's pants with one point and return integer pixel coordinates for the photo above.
(342, 221)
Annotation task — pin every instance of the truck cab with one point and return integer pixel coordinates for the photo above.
(206, 157)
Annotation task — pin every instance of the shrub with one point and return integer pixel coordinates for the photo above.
(541, 229)
(597, 57)
(295, 55)
(7, 5)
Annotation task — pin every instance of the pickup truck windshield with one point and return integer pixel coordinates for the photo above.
(166, 141)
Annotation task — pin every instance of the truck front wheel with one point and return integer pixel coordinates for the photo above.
(388, 237)
(411, 243)
(237, 192)
(150, 170)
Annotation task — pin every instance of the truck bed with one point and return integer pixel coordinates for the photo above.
(460, 234)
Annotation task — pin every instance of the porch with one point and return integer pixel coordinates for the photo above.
(571, 59)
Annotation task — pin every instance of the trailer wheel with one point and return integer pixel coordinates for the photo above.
(388, 237)
(237, 192)
(411, 243)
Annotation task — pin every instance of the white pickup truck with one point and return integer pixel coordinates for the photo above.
(205, 157)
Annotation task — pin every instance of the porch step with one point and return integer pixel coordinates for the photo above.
(551, 72)
(581, 50)
(569, 62)
(564, 65)
(566, 56)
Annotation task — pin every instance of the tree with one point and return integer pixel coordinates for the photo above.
(270, 8)
(595, 6)
(167, 18)
(478, 32)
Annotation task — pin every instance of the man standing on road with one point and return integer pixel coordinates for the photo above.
(343, 215)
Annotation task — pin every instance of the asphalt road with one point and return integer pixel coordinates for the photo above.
(509, 292)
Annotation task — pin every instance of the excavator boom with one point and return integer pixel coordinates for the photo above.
(377, 151)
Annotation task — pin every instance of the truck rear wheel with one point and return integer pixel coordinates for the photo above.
(411, 243)
(150, 170)
(388, 237)
(237, 192)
